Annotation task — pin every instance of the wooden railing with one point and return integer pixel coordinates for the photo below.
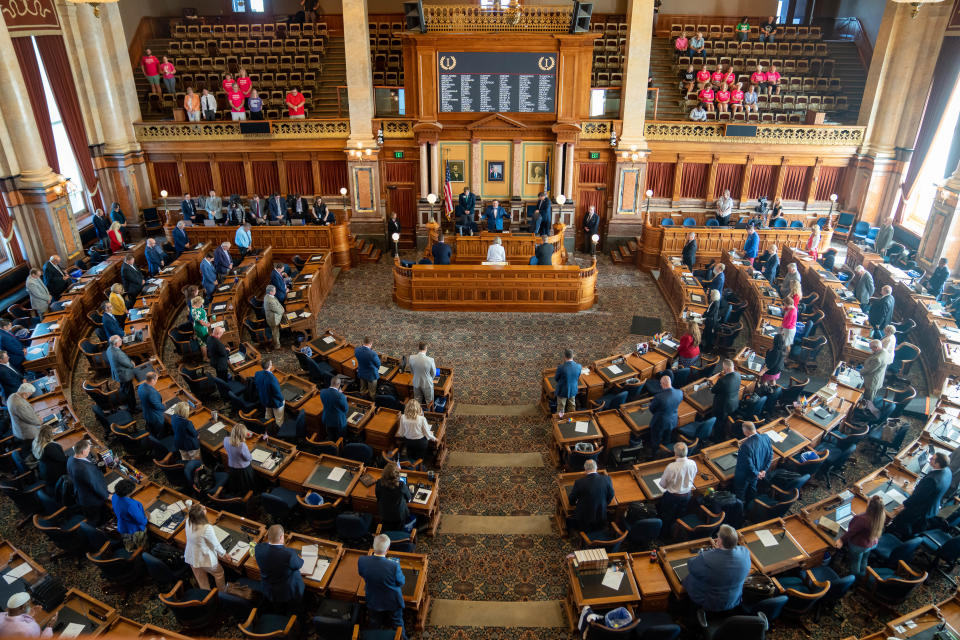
(851, 28)
(467, 18)
(230, 130)
(829, 135)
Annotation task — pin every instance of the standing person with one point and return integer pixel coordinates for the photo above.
(154, 411)
(11, 344)
(280, 579)
(715, 576)
(863, 534)
(169, 73)
(333, 415)
(208, 105)
(201, 326)
(191, 104)
(116, 215)
(545, 209)
(89, 483)
(938, 279)
(180, 240)
(54, 277)
(788, 324)
(269, 392)
(467, 202)
(279, 280)
(243, 239)
(296, 104)
(884, 236)
(242, 477)
(185, 437)
(118, 306)
(255, 104)
(863, 287)
(131, 278)
(131, 518)
(217, 353)
(273, 313)
(101, 227)
(238, 107)
(368, 367)
(881, 311)
(415, 430)
(688, 353)
(276, 208)
(10, 378)
(753, 460)
(752, 245)
(203, 551)
(16, 621)
(771, 265)
(156, 257)
(244, 84)
(383, 586)
(424, 370)
(50, 455)
(544, 253)
(208, 276)
(591, 496)
(116, 237)
(222, 261)
(664, 409)
(677, 482)
(924, 502)
(393, 228)
(40, 297)
(774, 359)
(255, 212)
(123, 371)
(441, 251)
(726, 394)
(495, 215)
(724, 208)
(874, 370)
(591, 225)
(889, 341)
(689, 253)
(24, 421)
(711, 321)
(151, 69)
(567, 383)
(813, 242)
(392, 498)
(323, 215)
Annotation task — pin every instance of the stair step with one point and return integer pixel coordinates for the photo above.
(616, 257)
(367, 248)
(373, 256)
(625, 251)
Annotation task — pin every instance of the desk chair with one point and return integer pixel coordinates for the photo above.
(279, 504)
(318, 372)
(666, 449)
(840, 455)
(839, 587)
(576, 459)
(133, 440)
(162, 574)
(805, 353)
(195, 609)
(64, 530)
(609, 539)
(335, 618)
(376, 634)
(611, 400)
(294, 427)
(405, 541)
(313, 444)
(698, 432)
(942, 545)
(358, 451)
(890, 587)
(259, 332)
(191, 469)
(752, 627)
(251, 420)
(630, 455)
(105, 399)
(641, 534)
(354, 529)
(776, 505)
(886, 449)
(322, 517)
(120, 569)
(200, 384)
(121, 417)
(184, 342)
(700, 524)
(269, 625)
(903, 358)
(96, 357)
(770, 607)
(792, 392)
(802, 597)
(891, 550)
(809, 467)
(220, 500)
(859, 232)
(172, 467)
(903, 330)
(241, 405)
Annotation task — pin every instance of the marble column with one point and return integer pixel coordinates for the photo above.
(435, 168)
(569, 164)
(556, 184)
(424, 170)
(476, 171)
(635, 73)
(516, 174)
(356, 39)
(893, 104)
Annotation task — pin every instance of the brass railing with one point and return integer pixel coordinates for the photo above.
(838, 135)
(230, 130)
(466, 18)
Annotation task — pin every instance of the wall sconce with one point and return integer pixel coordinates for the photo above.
(561, 199)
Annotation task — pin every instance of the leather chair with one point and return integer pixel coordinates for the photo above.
(608, 539)
(194, 609)
(335, 618)
(358, 451)
(404, 541)
(252, 421)
(322, 517)
(776, 505)
(313, 444)
(642, 533)
(892, 586)
(353, 529)
(63, 529)
(279, 503)
(119, 568)
(220, 500)
(162, 574)
(733, 627)
(172, 467)
(700, 524)
(891, 550)
(200, 384)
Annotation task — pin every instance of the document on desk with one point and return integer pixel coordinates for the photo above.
(259, 455)
(17, 572)
(72, 631)
(269, 464)
(612, 579)
(111, 488)
(656, 481)
(615, 370)
(894, 495)
(220, 533)
(239, 551)
(766, 538)
(309, 555)
(158, 517)
(336, 473)
(215, 427)
(321, 569)
(329, 339)
(235, 357)
(581, 426)
(383, 370)
(776, 437)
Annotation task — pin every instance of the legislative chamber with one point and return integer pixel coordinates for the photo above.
(480, 319)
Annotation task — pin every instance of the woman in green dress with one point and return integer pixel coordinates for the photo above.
(200, 325)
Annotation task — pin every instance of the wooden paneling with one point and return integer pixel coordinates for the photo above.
(660, 178)
(403, 202)
(693, 180)
(400, 171)
(712, 242)
(286, 241)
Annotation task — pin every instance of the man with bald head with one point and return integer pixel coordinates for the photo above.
(280, 578)
(217, 354)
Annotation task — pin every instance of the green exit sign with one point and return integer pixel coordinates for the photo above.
(398, 154)
(594, 155)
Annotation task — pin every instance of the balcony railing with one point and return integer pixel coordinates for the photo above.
(819, 134)
(230, 130)
(466, 18)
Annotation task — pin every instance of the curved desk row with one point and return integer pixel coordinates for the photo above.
(519, 247)
(712, 242)
(558, 288)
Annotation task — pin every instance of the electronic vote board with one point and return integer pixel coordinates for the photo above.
(517, 82)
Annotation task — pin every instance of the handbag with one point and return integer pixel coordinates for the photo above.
(759, 586)
(239, 590)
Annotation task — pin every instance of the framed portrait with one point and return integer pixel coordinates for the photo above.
(536, 172)
(495, 171)
(455, 167)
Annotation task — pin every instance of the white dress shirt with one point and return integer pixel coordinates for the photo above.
(889, 344)
(208, 102)
(415, 429)
(496, 253)
(679, 475)
(202, 547)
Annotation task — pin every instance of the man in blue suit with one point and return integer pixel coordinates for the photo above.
(276, 208)
(714, 279)
(664, 410)
(465, 213)
(383, 586)
(123, 370)
(278, 281)
(753, 460)
(545, 211)
(566, 383)
(208, 276)
(772, 265)
(368, 367)
(442, 252)
(334, 412)
(10, 378)
(268, 389)
(495, 214)
(590, 496)
(280, 578)
(752, 246)
(715, 577)
(110, 325)
(222, 261)
(10, 344)
(152, 404)
(89, 484)
(180, 240)
(924, 502)
(156, 257)
(591, 225)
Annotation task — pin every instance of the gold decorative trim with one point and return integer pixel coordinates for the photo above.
(397, 128)
(840, 135)
(465, 18)
(596, 129)
(281, 130)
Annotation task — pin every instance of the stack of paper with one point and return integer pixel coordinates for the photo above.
(581, 426)
(220, 533)
(17, 572)
(329, 339)
(239, 551)
(215, 427)
(309, 555)
(336, 473)
(612, 579)
(259, 455)
(776, 437)
(235, 357)
(72, 630)
(766, 538)
(318, 572)
(615, 370)
(113, 485)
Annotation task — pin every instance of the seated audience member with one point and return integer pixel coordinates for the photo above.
(131, 518)
(742, 29)
(768, 30)
(736, 98)
(441, 251)
(758, 78)
(729, 77)
(383, 586)
(677, 482)
(750, 100)
(280, 579)
(415, 430)
(688, 353)
(697, 46)
(688, 79)
(185, 437)
(333, 415)
(392, 498)
(773, 81)
(681, 44)
(706, 98)
(717, 77)
(863, 534)
(496, 252)
(715, 577)
(544, 253)
(89, 483)
(241, 475)
(16, 621)
(703, 77)
(24, 420)
(699, 113)
(590, 497)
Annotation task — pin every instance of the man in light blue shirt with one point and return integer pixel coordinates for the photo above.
(715, 578)
(242, 239)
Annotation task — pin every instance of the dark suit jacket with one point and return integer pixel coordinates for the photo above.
(881, 311)
(441, 253)
(326, 216)
(495, 218)
(393, 226)
(726, 393)
(268, 389)
(56, 281)
(689, 255)
(468, 203)
(924, 502)
(545, 209)
(218, 356)
(152, 404)
(180, 240)
(591, 224)
(591, 495)
(384, 582)
(770, 268)
(334, 412)
(110, 325)
(187, 210)
(10, 380)
(280, 577)
(156, 256)
(101, 225)
(368, 363)
(277, 280)
(208, 275)
(13, 347)
(185, 435)
(544, 254)
(664, 410)
(132, 280)
(89, 483)
(256, 212)
(222, 261)
(276, 208)
(292, 207)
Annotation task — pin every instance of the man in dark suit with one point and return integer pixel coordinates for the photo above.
(152, 403)
(10, 344)
(131, 279)
(111, 326)
(54, 277)
(368, 367)
(881, 312)
(715, 576)
(924, 502)
(189, 211)
(156, 257)
(101, 224)
(89, 483)
(591, 495)
(664, 409)
(383, 586)
(10, 378)
(726, 395)
(334, 412)
(545, 209)
(753, 460)
(862, 285)
(217, 354)
(255, 213)
(591, 225)
(180, 240)
(938, 278)
(222, 261)
(393, 228)
(276, 208)
(280, 579)
(771, 265)
(208, 276)
(297, 207)
(467, 203)
(278, 280)
(544, 253)
(441, 251)
(269, 392)
(689, 254)
(566, 382)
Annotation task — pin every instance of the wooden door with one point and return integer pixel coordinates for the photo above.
(588, 197)
(592, 180)
(400, 180)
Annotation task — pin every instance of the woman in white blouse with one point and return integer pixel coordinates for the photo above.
(203, 549)
(889, 340)
(415, 430)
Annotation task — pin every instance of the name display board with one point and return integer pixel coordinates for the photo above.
(505, 82)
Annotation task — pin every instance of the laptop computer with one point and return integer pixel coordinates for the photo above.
(844, 515)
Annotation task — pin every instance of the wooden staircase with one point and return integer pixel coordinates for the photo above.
(365, 251)
(625, 252)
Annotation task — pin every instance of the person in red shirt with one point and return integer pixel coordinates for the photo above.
(296, 104)
(703, 77)
(151, 68)
(773, 81)
(706, 97)
(730, 77)
(228, 83)
(758, 78)
(717, 76)
(688, 353)
(736, 98)
(680, 45)
(723, 98)
(169, 73)
(236, 101)
(245, 83)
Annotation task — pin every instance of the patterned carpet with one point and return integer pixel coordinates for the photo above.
(498, 359)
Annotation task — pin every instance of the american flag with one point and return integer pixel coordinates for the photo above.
(447, 194)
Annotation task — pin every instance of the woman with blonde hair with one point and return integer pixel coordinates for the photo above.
(415, 430)
(198, 314)
(794, 292)
(392, 498)
(185, 437)
(688, 353)
(116, 237)
(203, 550)
(118, 306)
(241, 478)
(50, 455)
(863, 534)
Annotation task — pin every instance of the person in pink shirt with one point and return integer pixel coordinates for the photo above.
(723, 98)
(706, 97)
(736, 98)
(169, 75)
(717, 76)
(16, 621)
(789, 324)
(681, 44)
(758, 78)
(295, 104)
(228, 83)
(773, 81)
(245, 83)
(151, 68)
(236, 101)
(730, 77)
(703, 77)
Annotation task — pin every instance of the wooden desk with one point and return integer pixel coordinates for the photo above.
(590, 384)
(714, 242)
(910, 625)
(565, 510)
(890, 481)
(381, 428)
(637, 415)
(518, 247)
(721, 458)
(673, 560)
(154, 496)
(578, 426)
(414, 567)
(287, 241)
(647, 472)
(792, 442)
(616, 432)
(786, 554)
(809, 539)
(614, 369)
(586, 588)
(345, 582)
(915, 457)
(828, 507)
(81, 608)
(279, 454)
(240, 530)
(326, 550)
(309, 471)
(652, 582)
(364, 498)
